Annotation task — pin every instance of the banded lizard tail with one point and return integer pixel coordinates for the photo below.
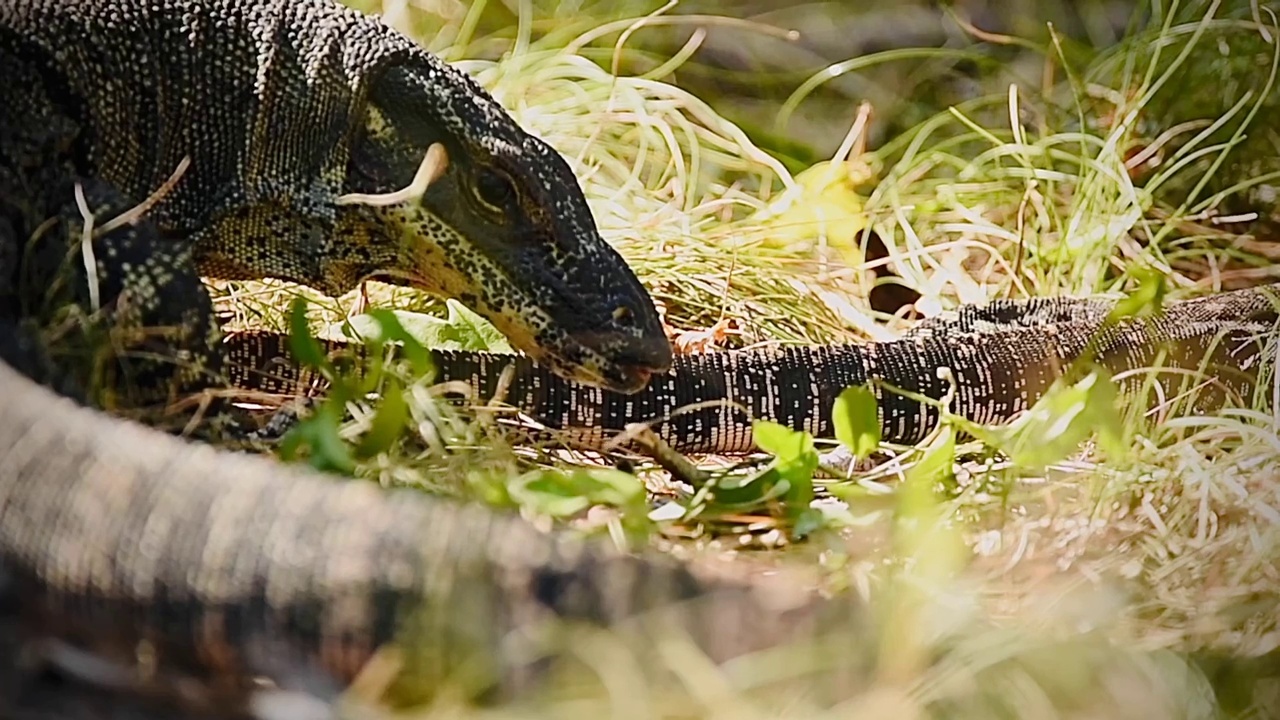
(1002, 357)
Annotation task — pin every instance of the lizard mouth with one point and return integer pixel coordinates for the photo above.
(582, 364)
(617, 363)
(625, 379)
(623, 362)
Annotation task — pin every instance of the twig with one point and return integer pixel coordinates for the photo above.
(137, 211)
(432, 167)
(680, 467)
(86, 250)
(89, 233)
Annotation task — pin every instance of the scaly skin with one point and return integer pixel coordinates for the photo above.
(1003, 357)
(232, 567)
(284, 108)
(115, 539)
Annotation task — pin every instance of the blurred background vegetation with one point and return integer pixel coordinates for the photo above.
(909, 59)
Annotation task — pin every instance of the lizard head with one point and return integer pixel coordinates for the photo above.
(495, 218)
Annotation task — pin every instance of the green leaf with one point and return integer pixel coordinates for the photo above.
(824, 202)
(391, 329)
(795, 459)
(744, 492)
(807, 522)
(563, 494)
(613, 487)
(490, 486)
(461, 330)
(800, 486)
(550, 493)
(1062, 419)
(318, 435)
(778, 440)
(937, 466)
(306, 349)
(388, 422)
(856, 420)
(1145, 301)
(474, 331)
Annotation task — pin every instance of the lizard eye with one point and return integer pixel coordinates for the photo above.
(494, 189)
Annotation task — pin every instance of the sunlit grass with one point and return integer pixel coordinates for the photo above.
(1072, 591)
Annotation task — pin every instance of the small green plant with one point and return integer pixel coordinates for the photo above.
(856, 420)
(317, 435)
(460, 329)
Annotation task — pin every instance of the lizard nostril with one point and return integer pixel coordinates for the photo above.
(623, 316)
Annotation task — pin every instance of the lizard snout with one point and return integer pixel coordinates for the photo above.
(631, 359)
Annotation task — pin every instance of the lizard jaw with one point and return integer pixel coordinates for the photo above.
(589, 363)
(584, 360)
(619, 377)
(433, 257)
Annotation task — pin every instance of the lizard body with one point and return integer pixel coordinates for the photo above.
(130, 544)
(277, 113)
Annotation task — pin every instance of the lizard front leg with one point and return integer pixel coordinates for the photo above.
(137, 331)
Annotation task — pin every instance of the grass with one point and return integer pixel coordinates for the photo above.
(1094, 584)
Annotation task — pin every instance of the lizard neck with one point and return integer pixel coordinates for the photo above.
(269, 240)
(295, 238)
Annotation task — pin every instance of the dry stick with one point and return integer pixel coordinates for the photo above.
(486, 415)
(137, 211)
(680, 467)
(89, 233)
(86, 251)
(854, 144)
(643, 436)
(433, 166)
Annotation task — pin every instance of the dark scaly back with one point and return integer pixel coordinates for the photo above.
(261, 95)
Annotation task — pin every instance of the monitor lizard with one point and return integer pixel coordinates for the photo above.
(247, 139)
